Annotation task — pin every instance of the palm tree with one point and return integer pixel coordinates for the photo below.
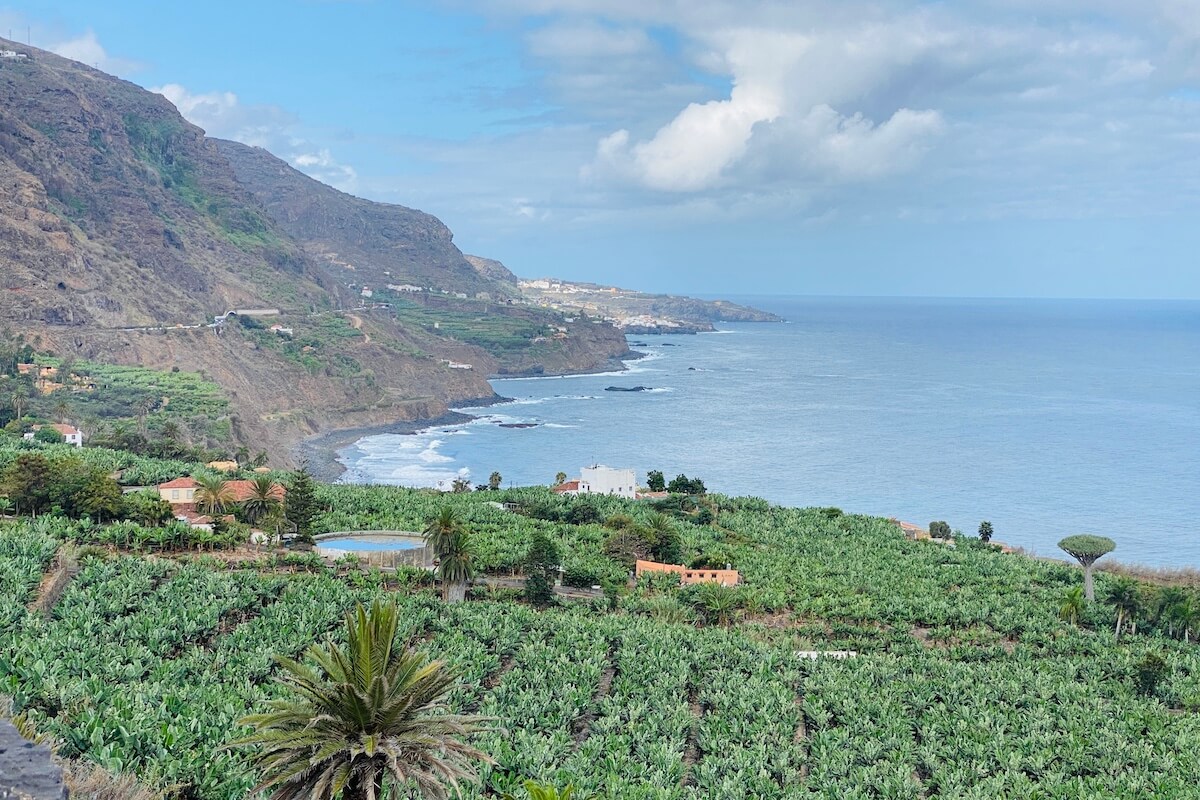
(1072, 605)
(440, 529)
(362, 714)
(445, 537)
(1184, 616)
(265, 496)
(1168, 598)
(213, 496)
(1126, 597)
(455, 567)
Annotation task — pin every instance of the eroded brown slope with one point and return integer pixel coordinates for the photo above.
(360, 241)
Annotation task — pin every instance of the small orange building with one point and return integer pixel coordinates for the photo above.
(688, 576)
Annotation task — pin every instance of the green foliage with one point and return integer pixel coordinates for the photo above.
(27, 483)
(682, 484)
(985, 531)
(655, 481)
(538, 791)
(500, 334)
(541, 569)
(1087, 548)
(301, 504)
(1149, 673)
(48, 435)
(494, 481)
(146, 664)
(1072, 605)
(362, 715)
(940, 529)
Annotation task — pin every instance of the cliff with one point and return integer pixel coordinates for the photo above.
(124, 231)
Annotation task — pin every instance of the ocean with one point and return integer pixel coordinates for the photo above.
(1046, 417)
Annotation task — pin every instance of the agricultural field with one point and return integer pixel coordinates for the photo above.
(496, 333)
(966, 682)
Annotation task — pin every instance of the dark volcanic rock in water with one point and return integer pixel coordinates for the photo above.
(517, 424)
(627, 388)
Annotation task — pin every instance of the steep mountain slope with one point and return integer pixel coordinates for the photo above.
(361, 241)
(115, 212)
(493, 270)
(124, 231)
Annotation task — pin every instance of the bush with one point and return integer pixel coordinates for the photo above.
(583, 512)
(47, 435)
(1149, 672)
(538, 590)
(581, 576)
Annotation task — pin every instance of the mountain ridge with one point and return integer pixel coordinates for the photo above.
(124, 231)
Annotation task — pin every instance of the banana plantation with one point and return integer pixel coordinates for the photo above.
(851, 662)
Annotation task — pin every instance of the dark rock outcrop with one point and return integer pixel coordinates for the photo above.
(27, 770)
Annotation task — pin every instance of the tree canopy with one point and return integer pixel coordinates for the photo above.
(1087, 548)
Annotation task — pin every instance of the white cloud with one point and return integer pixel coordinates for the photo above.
(87, 49)
(784, 87)
(322, 166)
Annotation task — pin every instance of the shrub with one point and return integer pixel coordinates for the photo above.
(581, 576)
(1149, 672)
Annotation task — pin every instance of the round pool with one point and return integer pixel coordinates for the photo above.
(371, 542)
(377, 548)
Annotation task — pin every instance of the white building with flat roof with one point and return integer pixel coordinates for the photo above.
(599, 479)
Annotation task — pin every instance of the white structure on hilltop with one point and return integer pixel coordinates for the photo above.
(599, 479)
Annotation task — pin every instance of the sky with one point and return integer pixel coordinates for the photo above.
(1041, 148)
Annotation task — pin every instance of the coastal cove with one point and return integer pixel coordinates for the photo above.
(920, 409)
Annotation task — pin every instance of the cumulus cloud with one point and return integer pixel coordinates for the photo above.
(87, 50)
(223, 115)
(780, 113)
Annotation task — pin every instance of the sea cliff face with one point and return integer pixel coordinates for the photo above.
(125, 232)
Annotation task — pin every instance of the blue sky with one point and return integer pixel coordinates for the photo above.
(992, 148)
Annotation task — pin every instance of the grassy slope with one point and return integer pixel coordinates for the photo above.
(967, 684)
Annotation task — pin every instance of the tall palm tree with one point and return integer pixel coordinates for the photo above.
(455, 567)
(449, 543)
(1072, 605)
(1184, 616)
(266, 495)
(1168, 598)
(363, 714)
(1125, 595)
(213, 496)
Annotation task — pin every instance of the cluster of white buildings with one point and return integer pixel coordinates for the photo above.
(12, 55)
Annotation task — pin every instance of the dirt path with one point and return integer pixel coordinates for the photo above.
(357, 323)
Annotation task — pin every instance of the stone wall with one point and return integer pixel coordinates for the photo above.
(27, 772)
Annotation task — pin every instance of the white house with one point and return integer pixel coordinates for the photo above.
(599, 479)
(404, 287)
(72, 435)
(12, 55)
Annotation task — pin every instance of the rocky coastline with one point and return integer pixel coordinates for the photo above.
(320, 451)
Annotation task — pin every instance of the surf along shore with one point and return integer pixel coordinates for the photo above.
(320, 452)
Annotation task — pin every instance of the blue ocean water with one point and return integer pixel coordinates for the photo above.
(1045, 417)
